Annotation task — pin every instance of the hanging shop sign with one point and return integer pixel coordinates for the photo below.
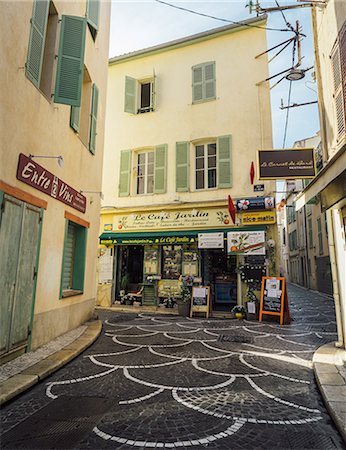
(210, 240)
(258, 218)
(173, 219)
(246, 243)
(39, 178)
(286, 164)
(255, 204)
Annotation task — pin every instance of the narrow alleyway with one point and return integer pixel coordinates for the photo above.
(174, 382)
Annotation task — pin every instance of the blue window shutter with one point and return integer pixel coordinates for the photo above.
(125, 173)
(93, 13)
(69, 75)
(93, 118)
(182, 161)
(130, 95)
(224, 153)
(37, 38)
(160, 169)
(75, 118)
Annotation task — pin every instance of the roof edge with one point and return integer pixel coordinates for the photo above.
(187, 40)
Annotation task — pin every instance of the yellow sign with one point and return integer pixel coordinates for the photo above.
(258, 218)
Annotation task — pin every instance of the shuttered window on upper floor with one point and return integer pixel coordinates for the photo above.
(338, 63)
(93, 15)
(139, 95)
(41, 66)
(203, 82)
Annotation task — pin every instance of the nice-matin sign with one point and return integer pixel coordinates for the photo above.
(286, 164)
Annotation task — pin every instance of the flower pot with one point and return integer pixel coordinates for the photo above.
(239, 316)
(183, 309)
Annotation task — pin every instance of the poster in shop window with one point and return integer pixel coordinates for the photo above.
(151, 260)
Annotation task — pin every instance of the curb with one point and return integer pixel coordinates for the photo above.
(19, 383)
(331, 384)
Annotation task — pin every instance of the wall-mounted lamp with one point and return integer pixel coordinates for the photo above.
(93, 192)
(59, 158)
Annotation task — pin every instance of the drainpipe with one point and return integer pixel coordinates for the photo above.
(335, 279)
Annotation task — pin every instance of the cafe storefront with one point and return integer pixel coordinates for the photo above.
(151, 252)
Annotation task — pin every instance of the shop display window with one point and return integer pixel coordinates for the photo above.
(190, 263)
(171, 261)
(151, 260)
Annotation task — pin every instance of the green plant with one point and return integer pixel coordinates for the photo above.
(185, 294)
(238, 309)
(124, 282)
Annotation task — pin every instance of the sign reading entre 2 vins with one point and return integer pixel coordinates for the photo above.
(286, 164)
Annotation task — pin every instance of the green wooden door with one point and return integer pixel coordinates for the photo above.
(19, 241)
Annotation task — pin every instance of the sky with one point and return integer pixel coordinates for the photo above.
(143, 23)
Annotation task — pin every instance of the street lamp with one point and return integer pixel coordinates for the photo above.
(295, 75)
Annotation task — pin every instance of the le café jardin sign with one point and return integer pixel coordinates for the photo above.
(39, 178)
(193, 219)
(286, 164)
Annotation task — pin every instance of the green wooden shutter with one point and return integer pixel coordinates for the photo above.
(209, 81)
(224, 152)
(93, 12)
(125, 173)
(79, 258)
(197, 83)
(69, 74)
(160, 169)
(182, 159)
(93, 118)
(130, 95)
(75, 118)
(67, 270)
(37, 38)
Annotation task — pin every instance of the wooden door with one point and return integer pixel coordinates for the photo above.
(19, 242)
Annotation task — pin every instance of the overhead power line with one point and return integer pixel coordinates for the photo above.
(220, 18)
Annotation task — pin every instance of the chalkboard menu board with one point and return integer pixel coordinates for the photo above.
(274, 300)
(200, 300)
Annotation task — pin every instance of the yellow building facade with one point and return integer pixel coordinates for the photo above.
(185, 120)
(53, 90)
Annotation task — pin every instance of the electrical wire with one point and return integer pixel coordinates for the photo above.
(219, 18)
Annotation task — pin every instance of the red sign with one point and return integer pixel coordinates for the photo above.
(231, 208)
(38, 177)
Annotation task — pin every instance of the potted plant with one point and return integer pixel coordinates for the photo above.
(184, 300)
(124, 282)
(239, 311)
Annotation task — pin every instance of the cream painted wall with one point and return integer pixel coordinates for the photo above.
(31, 123)
(329, 20)
(241, 109)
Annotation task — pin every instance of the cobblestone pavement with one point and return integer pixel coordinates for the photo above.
(174, 382)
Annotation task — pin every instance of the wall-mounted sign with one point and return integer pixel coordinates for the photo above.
(255, 204)
(173, 219)
(39, 178)
(107, 227)
(210, 240)
(286, 164)
(258, 218)
(133, 240)
(258, 188)
(245, 243)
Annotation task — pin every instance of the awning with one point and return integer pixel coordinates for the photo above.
(163, 237)
(332, 171)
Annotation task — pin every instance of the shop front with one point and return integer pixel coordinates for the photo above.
(154, 264)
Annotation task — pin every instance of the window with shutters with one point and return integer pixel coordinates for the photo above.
(212, 164)
(320, 236)
(145, 172)
(41, 63)
(93, 14)
(73, 265)
(80, 115)
(311, 242)
(205, 164)
(338, 63)
(139, 95)
(203, 82)
(41, 58)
